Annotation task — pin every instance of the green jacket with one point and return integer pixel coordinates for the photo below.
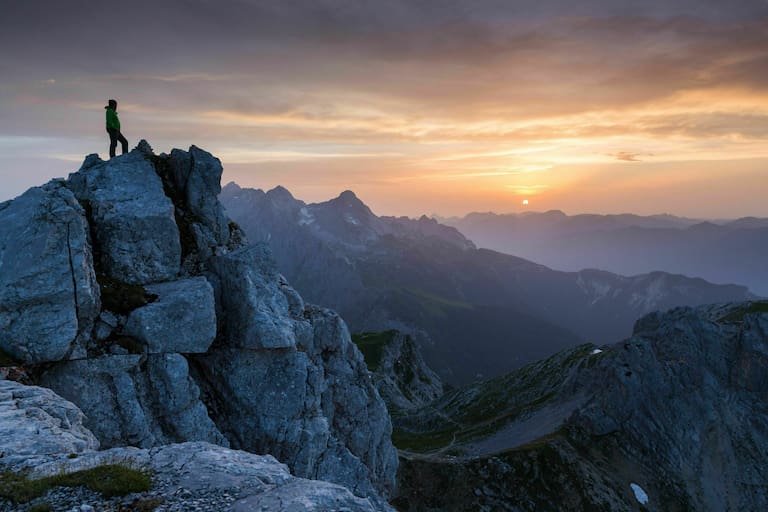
(112, 120)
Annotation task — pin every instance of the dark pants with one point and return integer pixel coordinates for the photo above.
(114, 136)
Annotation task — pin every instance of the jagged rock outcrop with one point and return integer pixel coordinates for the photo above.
(675, 415)
(253, 310)
(131, 218)
(41, 434)
(49, 297)
(399, 372)
(197, 338)
(136, 400)
(313, 407)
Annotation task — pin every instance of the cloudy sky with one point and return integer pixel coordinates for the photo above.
(419, 106)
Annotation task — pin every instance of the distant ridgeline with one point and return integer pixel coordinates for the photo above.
(474, 312)
(723, 252)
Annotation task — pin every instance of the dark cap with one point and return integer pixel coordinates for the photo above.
(112, 103)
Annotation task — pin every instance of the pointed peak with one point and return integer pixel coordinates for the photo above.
(231, 187)
(348, 199)
(280, 192)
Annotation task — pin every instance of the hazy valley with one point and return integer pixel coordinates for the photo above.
(732, 251)
(475, 312)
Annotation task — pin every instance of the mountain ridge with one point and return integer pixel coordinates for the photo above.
(428, 280)
(720, 251)
(677, 411)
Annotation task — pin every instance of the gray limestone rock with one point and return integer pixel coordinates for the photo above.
(133, 221)
(356, 413)
(135, 400)
(283, 377)
(194, 474)
(197, 176)
(105, 325)
(182, 319)
(36, 423)
(255, 313)
(48, 291)
(313, 408)
(269, 403)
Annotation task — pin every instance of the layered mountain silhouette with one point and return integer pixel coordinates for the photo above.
(722, 252)
(475, 312)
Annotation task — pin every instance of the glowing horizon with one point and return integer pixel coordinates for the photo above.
(653, 111)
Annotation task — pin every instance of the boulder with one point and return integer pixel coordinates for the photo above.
(135, 400)
(182, 319)
(49, 297)
(136, 236)
(36, 423)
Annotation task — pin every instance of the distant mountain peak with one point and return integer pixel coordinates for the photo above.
(349, 204)
(280, 192)
(349, 199)
(231, 187)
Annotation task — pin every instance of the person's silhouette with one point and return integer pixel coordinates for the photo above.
(113, 129)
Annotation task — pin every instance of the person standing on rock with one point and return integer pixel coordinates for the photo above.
(113, 129)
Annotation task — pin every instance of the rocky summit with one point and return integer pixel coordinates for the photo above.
(128, 294)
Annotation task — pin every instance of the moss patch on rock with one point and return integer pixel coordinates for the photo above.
(372, 344)
(109, 480)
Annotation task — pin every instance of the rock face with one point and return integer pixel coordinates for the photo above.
(42, 434)
(35, 424)
(197, 338)
(136, 400)
(254, 310)
(49, 297)
(132, 219)
(313, 406)
(677, 411)
(400, 374)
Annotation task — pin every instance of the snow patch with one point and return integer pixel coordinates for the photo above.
(595, 289)
(349, 218)
(640, 494)
(305, 217)
(596, 351)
